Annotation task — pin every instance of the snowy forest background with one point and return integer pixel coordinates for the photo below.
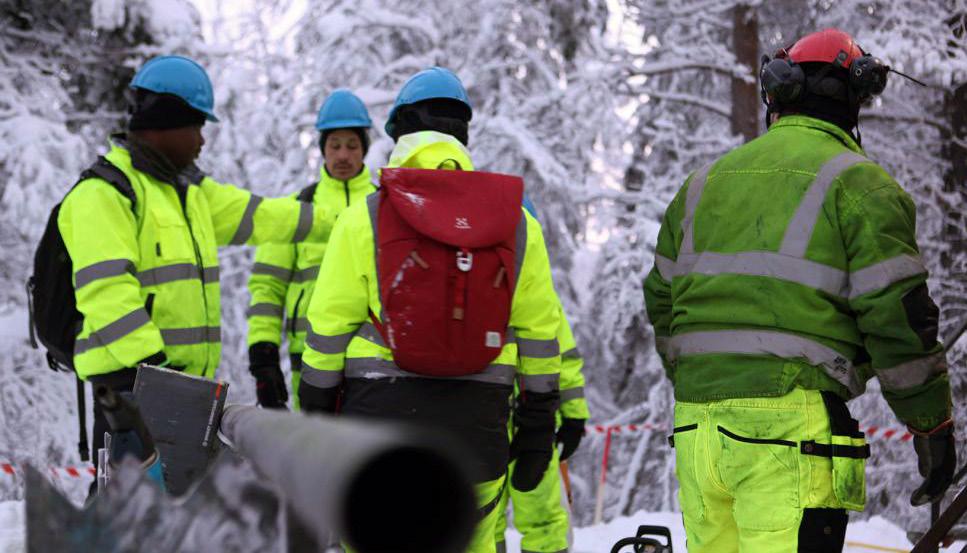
(603, 106)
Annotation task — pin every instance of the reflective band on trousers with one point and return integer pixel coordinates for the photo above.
(175, 272)
(329, 344)
(540, 349)
(305, 222)
(759, 342)
(265, 310)
(540, 383)
(320, 378)
(572, 393)
(104, 269)
(191, 336)
(376, 368)
(912, 373)
(247, 224)
(280, 273)
(113, 331)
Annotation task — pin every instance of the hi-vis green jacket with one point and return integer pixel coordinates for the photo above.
(147, 281)
(284, 275)
(573, 403)
(342, 343)
(792, 261)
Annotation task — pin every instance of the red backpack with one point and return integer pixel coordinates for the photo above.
(445, 261)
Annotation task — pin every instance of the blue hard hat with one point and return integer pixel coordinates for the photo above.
(181, 77)
(430, 84)
(343, 110)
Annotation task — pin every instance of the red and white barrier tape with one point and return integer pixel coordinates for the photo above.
(82, 471)
(872, 432)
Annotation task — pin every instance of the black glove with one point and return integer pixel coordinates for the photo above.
(318, 400)
(263, 359)
(937, 461)
(569, 435)
(533, 442)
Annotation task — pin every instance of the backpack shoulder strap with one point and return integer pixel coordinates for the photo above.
(308, 193)
(107, 171)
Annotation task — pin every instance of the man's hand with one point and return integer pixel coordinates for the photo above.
(269, 383)
(937, 461)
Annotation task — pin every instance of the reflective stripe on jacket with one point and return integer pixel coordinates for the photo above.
(341, 341)
(792, 261)
(148, 282)
(284, 275)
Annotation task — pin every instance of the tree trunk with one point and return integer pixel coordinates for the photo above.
(745, 94)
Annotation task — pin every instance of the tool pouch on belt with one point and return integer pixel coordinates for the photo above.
(847, 449)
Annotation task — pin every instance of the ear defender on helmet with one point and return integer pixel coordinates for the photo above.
(867, 77)
(780, 81)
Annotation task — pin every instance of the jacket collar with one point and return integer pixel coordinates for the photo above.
(361, 180)
(818, 124)
(146, 159)
(429, 150)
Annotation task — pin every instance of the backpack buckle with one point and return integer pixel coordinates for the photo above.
(464, 260)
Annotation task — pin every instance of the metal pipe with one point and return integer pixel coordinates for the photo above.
(380, 486)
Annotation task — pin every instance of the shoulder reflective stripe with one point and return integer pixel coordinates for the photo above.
(694, 194)
(527, 347)
(540, 383)
(800, 228)
(264, 310)
(666, 267)
(661, 344)
(280, 273)
(191, 336)
(247, 224)
(767, 264)
(210, 274)
(113, 331)
(320, 378)
(168, 273)
(376, 368)
(882, 274)
(305, 222)
(520, 249)
(369, 332)
(572, 393)
(104, 269)
(301, 324)
(307, 274)
(912, 373)
(329, 344)
(572, 353)
(758, 342)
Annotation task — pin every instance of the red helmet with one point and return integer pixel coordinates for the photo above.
(826, 46)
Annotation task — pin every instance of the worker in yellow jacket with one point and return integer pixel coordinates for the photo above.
(146, 265)
(348, 364)
(284, 275)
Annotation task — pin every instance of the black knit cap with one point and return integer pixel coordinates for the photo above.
(360, 132)
(151, 110)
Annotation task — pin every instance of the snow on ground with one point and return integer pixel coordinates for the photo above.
(868, 536)
(13, 325)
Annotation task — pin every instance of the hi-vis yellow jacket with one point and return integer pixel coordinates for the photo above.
(342, 343)
(284, 275)
(147, 281)
(573, 403)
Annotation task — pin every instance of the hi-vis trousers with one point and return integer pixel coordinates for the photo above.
(768, 475)
(541, 515)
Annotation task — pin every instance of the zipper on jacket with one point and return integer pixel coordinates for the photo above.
(199, 266)
(345, 184)
(295, 312)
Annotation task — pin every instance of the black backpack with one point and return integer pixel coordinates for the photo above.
(54, 318)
